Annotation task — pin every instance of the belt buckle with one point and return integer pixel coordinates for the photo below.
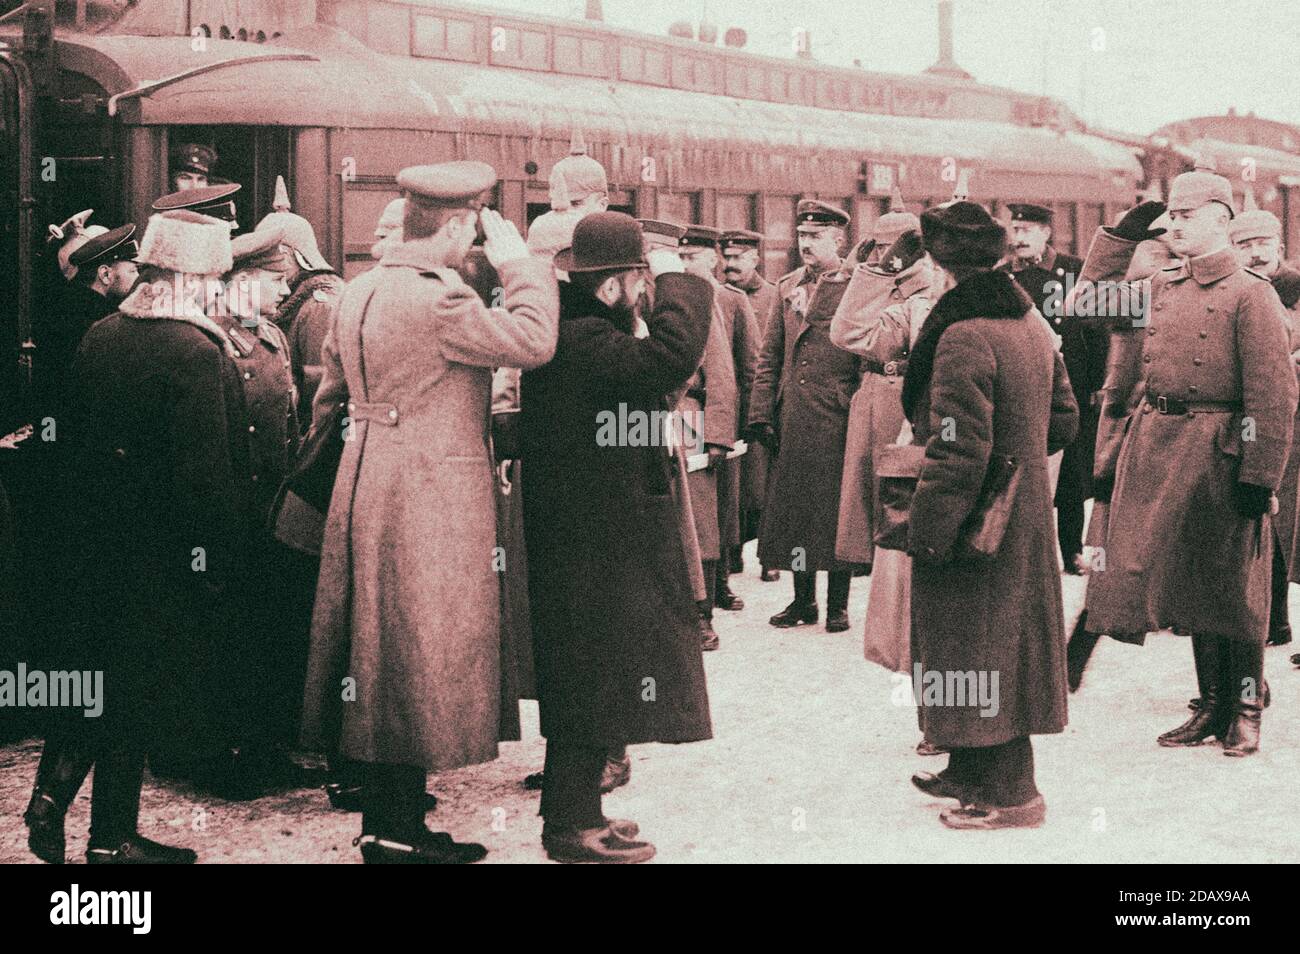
(1162, 404)
(891, 367)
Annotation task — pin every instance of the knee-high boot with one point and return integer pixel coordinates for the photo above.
(1246, 702)
(59, 776)
(1210, 713)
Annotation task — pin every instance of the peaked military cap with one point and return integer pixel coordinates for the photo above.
(192, 157)
(457, 184)
(740, 240)
(213, 200)
(262, 248)
(117, 245)
(701, 236)
(1028, 212)
(816, 214)
(659, 234)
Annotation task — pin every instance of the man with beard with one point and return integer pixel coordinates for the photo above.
(1257, 236)
(800, 410)
(614, 622)
(740, 252)
(1187, 544)
(1039, 269)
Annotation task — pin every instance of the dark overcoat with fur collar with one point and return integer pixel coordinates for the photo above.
(985, 378)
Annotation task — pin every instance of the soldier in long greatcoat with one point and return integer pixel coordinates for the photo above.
(1189, 540)
(404, 671)
(741, 254)
(800, 409)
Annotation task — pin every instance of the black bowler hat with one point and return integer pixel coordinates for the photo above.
(213, 200)
(962, 235)
(1028, 212)
(603, 241)
(117, 245)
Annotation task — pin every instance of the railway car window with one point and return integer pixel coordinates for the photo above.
(778, 233)
(250, 155)
(735, 211)
(641, 64)
(523, 48)
(362, 205)
(582, 55)
(443, 38)
(680, 207)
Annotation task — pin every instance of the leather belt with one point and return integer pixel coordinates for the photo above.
(888, 368)
(1171, 405)
(380, 413)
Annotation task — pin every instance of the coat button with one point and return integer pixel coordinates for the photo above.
(1197, 361)
(803, 380)
(1146, 408)
(392, 415)
(252, 429)
(1205, 334)
(1191, 388)
(352, 406)
(1150, 331)
(248, 375)
(1146, 358)
(255, 478)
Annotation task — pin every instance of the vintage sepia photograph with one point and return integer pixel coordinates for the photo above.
(681, 431)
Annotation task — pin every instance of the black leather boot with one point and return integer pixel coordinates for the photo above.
(708, 637)
(136, 849)
(423, 847)
(837, 600)
(1246, 667)
(804, 608)
(59, 776)
(1279, 623)
(1210, 713)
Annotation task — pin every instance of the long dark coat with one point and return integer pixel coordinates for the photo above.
(998, 378)
(1216, 333)
(876, 320)
(305, 318)
(757, 462)
(167, 439)
(1083, 347)
(804, 386)
(408, 604)
(615, 629)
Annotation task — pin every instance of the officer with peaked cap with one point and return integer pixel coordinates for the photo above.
(799, 409)
(403, 605)
(315, 288)
(388, 230)
(612, 597)
(1188, 543)
(191, 165)
(215, 201)
(741, 253)
(1042, 272)
(161, 493)
(1257, 236)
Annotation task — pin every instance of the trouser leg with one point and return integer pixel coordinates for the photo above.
(1069, 526)
(710, 587)
(571, 796)
(837, 590)
(115, 797)
(1009, 773)
(1279, 623)
(392, 800)
(61, 771)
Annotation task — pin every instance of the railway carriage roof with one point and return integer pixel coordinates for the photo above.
(329, 79)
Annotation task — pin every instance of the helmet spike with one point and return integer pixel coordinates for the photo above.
(281, 201)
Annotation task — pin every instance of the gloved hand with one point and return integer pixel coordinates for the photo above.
(1252, 500)
(904, 253)
(1102, 488)
(862, 251)
(763, 434)
(1135, 226)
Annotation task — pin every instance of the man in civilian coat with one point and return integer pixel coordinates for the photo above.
(1188, 543)
(800, 409)
(615, 628)
(741, 253)
(985, 379)
(1039, 268)
(404, 669)
(1257, 236)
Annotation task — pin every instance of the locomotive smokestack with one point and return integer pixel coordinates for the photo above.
(946, 65)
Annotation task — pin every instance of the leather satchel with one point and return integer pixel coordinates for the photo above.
(898, 468)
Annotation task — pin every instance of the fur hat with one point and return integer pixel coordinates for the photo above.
(962, 235)
(186, 242)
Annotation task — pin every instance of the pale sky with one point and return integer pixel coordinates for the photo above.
(1127, 64)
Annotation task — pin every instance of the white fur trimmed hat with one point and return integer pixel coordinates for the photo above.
(188, 242)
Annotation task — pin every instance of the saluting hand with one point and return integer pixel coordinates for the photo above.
(503, 242)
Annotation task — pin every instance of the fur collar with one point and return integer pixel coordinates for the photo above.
(989, 294)
(1286, 281)
(177, 300)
